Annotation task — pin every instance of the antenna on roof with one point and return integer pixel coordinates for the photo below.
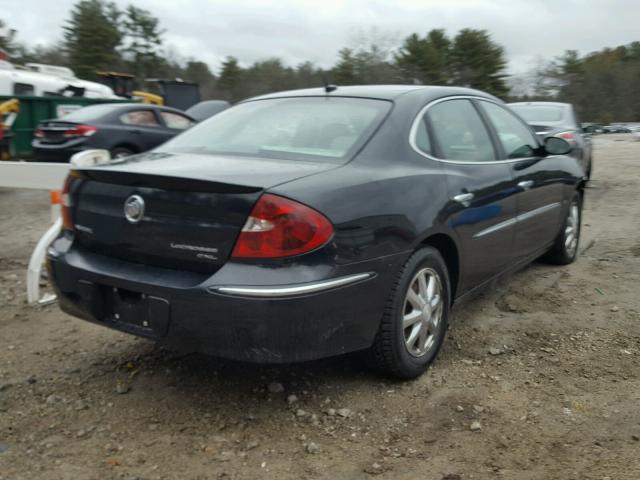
(328, 87)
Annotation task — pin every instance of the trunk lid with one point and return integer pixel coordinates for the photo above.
(194, 206)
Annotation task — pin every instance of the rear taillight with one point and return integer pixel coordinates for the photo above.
(38, 133)
(568, 136)
(279, 227)
(65, 204)
(81, 131)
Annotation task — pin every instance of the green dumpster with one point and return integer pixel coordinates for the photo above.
(35, 109)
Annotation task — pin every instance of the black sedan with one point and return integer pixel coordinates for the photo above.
(307, 224)
(559, 120)
(121, 128)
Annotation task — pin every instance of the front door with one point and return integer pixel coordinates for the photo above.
(539, 184)
(482, 207)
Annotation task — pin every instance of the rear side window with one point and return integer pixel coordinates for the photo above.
(423, 142)
(515, 137)
(23, 89)
(304, 128)
(142, 118)
(460, 132)
(176, 121)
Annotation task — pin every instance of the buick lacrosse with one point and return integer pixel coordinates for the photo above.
(312, 223)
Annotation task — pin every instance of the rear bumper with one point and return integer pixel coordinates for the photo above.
(333, 311)
(61, 153)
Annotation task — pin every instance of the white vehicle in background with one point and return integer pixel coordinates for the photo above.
(39, 80)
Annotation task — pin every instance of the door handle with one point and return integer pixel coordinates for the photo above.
(526, 185)
(464, 198)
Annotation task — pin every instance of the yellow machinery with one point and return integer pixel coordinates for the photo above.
(8, 112)
(122, 85)
(171, 93)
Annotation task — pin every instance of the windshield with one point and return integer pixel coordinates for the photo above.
(303, 128)
(539, 113)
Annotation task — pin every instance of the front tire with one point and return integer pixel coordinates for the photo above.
(565, 248)
(121, 152)
(415, 319)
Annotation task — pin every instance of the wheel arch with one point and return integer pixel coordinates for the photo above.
(451, 255)
(130, 146)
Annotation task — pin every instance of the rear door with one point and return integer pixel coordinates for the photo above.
(538, 180)
(482, 205)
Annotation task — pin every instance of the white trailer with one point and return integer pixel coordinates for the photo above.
(39, 80)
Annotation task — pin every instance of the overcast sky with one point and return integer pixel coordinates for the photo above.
(299, 30)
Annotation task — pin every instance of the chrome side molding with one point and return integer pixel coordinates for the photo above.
(518, 218)
(291, 290)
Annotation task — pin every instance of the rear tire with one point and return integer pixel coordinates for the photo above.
(589, 169)
(415, 318)
(565, 248)
(120, 152)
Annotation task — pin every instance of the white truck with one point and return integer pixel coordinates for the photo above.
(39, 80)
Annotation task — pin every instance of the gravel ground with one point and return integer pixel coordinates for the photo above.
(538, 379)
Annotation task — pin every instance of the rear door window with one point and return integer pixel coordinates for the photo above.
(176, 121)
(140, 118)
(516, 138)
(460, 132)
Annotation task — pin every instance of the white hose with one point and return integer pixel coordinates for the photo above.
(37, 259)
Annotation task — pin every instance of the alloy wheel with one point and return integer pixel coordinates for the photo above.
(572, 229)
(422, 314)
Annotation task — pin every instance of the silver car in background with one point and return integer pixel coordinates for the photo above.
(554, 119)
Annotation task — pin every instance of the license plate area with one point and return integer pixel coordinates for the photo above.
(136, 312)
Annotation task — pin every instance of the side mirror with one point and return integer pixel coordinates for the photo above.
(89, 158)
(556, 146)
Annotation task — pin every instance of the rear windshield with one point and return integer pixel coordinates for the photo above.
(539, 113)
(90, 113)
(303, 128)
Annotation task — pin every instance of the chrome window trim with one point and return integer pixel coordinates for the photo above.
(418, 118)
(518, 218)
(291, 290)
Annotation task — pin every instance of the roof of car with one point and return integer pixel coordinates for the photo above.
(383, 92)
(145, 105)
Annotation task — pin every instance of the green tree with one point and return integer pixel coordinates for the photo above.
(344, 72)
(7, 38)
(230, 78)
(92, 37)
(307, 75)
(478, 62)
(366, 65)
(142, 39)
(425, 60)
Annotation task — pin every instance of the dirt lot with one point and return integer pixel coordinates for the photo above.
(548, 363)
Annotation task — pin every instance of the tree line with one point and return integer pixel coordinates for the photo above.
(98, 35)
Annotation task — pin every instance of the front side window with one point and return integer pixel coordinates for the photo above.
(176, 121)
(300, 128)
(460, 132)
(141, 118)
(515, 137)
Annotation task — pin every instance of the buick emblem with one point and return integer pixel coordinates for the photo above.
(134, 208)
